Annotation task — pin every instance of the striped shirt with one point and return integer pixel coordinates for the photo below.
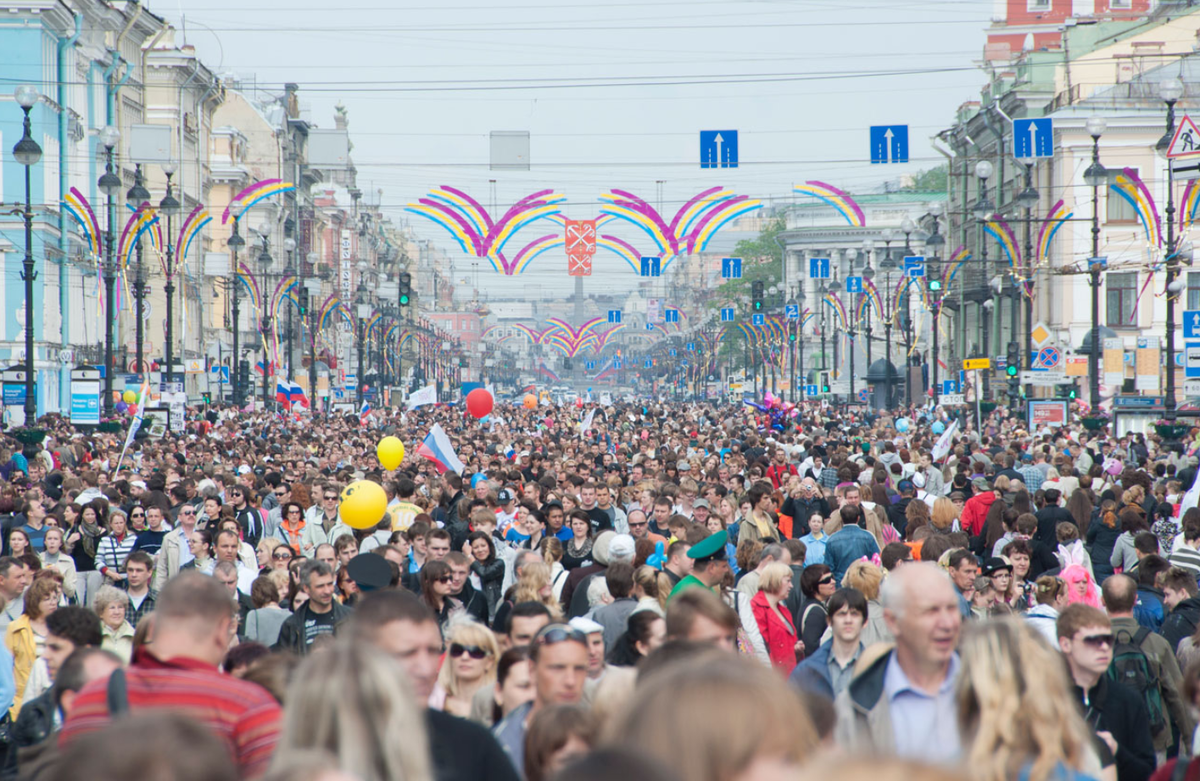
(1186, 557)
(111, 553)
(240, 713)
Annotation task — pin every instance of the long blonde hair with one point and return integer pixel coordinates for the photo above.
(352, 700)
(535, 576)
(1015, 706)
(468, 632)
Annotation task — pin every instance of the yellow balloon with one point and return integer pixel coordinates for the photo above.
(390, 451)
(363, 504)
(129, 397)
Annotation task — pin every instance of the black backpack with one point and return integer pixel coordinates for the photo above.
(1131, 667)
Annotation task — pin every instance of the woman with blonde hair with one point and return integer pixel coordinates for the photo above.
(1016, 711)
(868, 578)
(672, 706)
(352, 700)
(944, 516)
(651, 588)
(26, 636)
(471, 657)
(535, 585)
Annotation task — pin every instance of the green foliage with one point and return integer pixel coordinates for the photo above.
(762, 259)
(931, 180)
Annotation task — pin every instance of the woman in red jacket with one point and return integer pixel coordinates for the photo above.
(774, 620)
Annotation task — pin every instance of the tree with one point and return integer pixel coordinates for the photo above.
(931, 180)
(762, 258)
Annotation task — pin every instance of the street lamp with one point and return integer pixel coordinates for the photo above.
(109, 184)
(907, 226)
(289, 246)
(27, 153)
(983, 210)
(169, 206)
(312, 287)
(264, 260)
(1095, 177)
(933, 249)
(235, 242)
(868, 274)
(137, 195)
(1027, 199)
(1170, 91)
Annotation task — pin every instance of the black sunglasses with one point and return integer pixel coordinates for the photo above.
(285, 556)
(1099, 641)
(824, 580)
(474, 651)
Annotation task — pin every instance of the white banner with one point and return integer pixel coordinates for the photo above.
(426, 395)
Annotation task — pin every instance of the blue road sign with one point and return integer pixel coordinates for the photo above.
(854, 285)
(649, 326)
(1191, 359)
(616, 363)
(914, 266)
(962, 380)
(818, 268)
(949, 386)
(1033, 137)
(651, 266)
(718, 149)
(864, 396)
(672, 315)
(889, 143)
(1191, 324)
(731, 268)
(614, 315)
(791, 311)
(648, 363)
(757, 320)
(810, 390)
(691, 347)
(672, 353)
(727, 315)
(591, 365)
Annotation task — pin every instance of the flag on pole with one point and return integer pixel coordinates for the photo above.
(426, 395)
(587, 421)
(942, 448)
(288, 393)
(510, 452)
(364, 413)
(437, 448)
(136, 423)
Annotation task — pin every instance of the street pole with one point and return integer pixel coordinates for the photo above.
(1171, 91)
(139, 195)
(109, 184)
(28, 153)
(933, 248)
(1095, 176)
(983, 210)
(170, 206)
(907, 227)
(235, 242)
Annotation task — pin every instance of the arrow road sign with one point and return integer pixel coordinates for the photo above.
(818, 268)
(731, 268)
(1191, 324)
(718, 149)
(914, 266)
(810, 390)
(949, 387)
(757, 319)
(791, 311)
(854, 284)
(1186, 140)
(1185, 168)
(1033, 137)
(614, 315)
(672, 315)
(889, 143)
(651, 266)
(1191, 363)
(727, 315)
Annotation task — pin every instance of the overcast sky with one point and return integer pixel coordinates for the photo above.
(614, 94)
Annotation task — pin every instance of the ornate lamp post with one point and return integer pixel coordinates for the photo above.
(1095, 177)
(235, 242)
(169, 206)
(1170, 91)
(109, 184)
(983, 210)
(27, 153)
(137, 195)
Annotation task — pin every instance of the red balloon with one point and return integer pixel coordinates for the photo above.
(479, 403)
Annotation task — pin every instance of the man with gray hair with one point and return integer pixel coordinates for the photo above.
(903, 703)
(319, 616)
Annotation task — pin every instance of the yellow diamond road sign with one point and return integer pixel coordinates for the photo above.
(1040, 334)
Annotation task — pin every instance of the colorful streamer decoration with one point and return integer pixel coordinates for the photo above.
(999, 230)
(602, 342)
(255, 193)
(195, 222)
(1129, 186)
(1058, 216)
(841, 202)
(77, 206)
(868, 300)
(474, 230)
(568, 339)
(246, 277)
(1189, 205)
(839, 309)
(958, 260)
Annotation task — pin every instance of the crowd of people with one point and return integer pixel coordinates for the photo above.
(677, 591)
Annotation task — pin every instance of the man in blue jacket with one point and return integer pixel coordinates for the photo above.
(850, 543)
(828, 670)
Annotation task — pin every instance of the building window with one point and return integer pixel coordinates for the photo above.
(1117, 209)
(1039, 5)
(1122, 290)
(1120, 5)
(1193, 290)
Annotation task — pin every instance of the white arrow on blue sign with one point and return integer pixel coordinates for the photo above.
(651, 266)
(1033, 138)
(757, 319)
(718, 149)
(614, 315)
(854, 284)
(672, 352)
(616, 363)
(914, 266)
(691, 347)
(949, 386)
(731, 268)
(818, 268)
(791, 311)
(672, 316)
(727, 315)
(1191, 324)
(889, 144)
(810, 390)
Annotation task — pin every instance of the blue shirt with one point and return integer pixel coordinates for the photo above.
(925, 727)
(814, 548)
(846, 546)
(510, 734)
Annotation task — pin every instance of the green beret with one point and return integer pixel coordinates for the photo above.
(711, 547)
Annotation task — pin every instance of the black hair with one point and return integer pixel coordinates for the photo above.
(847, 597)
(77, 624)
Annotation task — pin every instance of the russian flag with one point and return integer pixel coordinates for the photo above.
(437, 448)
(510, 452)
(288, 393)
(260, 367)
(364, 413)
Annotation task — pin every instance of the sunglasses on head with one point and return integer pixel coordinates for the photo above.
(1100, 641)
(559, 633)
(474, 651)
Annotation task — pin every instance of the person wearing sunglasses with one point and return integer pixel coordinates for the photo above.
(558, 659)
(175, 551)
(323, 524)
(1115, 712)
(471, 658)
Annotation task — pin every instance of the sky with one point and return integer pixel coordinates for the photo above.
(614, 94)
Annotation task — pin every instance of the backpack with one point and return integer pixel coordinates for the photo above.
(1131, 667)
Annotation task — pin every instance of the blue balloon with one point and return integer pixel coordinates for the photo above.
(120, 407)
(938, 427)
(902, 425)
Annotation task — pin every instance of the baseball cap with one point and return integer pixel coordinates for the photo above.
(244, 469)
(621, 547)
(701, 503)
(585, 625)
(504, 496)
(980, 484)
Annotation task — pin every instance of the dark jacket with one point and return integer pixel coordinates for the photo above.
(31, 738)
(291, 634)
(800, 510)
(1112, 707)
(491, 577)
(1100, 543)
(457, 526)
(812, 675)
(1181, 621)
(896, 513)
(473, 602)
(1048, 520)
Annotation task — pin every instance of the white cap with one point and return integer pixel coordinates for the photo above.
(585, 625)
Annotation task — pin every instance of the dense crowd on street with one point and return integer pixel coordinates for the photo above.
(686, 592)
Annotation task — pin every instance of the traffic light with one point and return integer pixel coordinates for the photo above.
(824, 382)
(302, 302)
(1066, 390)
(1014, 359)
(756, 295)
(405, 288)
(935, 285)
(792, 333)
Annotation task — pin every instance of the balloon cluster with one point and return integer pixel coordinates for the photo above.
(127, 402)
(778, 409)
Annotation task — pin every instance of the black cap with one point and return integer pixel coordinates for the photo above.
(370, 571)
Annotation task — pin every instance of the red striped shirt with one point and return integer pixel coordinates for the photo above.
(243, 714)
